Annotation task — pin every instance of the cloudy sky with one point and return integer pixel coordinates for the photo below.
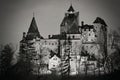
(16, 15)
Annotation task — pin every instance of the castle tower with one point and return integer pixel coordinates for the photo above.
(70, 22)
(32, 33)
(101, 34)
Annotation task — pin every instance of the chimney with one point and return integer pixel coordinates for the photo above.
(24, 35)
(49, 36)
(82, 23)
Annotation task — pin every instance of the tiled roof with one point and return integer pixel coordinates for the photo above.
(92, 58)
(33, 31)
(52, 53)
(100, 20)
(71, 9)
(84, 53)
(86, 26)
(70, 22)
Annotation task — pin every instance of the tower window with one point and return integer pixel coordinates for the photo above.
(52, 43)
(89, 34)
(95, 35)
(55, 43)
(73, 36)
(53, 65)
(91, 47)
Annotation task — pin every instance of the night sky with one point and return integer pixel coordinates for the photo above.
(16, 15)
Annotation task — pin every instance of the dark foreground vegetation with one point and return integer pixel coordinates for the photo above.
(11, 75)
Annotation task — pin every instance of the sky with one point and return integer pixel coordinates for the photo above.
(16, 15)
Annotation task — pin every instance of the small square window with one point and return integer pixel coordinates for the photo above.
(95, 35)
(52, 43)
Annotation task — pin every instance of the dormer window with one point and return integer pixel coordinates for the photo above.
(55, 59)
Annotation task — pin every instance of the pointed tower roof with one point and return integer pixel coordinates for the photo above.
(71, 9)
(100, 20)
(33, 26)
(33, 31)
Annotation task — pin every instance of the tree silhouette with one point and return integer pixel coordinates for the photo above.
(6, 58)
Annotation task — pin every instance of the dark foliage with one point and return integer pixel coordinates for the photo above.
(5, 59)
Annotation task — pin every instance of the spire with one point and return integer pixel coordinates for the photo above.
(33, 26)
(33, 14)
(33, 31)
(71, 9)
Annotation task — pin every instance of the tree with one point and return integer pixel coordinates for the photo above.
(6, 58)
(115, 57)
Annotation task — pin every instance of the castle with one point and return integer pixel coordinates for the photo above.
(68, 52)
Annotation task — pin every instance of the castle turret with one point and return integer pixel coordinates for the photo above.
(101, 34)
(71, 10)
(70, 22)
(100, 30)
